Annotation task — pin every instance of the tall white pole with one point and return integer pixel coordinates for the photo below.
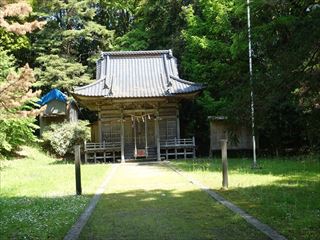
(251, 83)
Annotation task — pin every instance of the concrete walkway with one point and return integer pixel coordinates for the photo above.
(151, 201)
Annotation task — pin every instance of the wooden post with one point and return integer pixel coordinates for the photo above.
(135, 137)
(99, 127)
(224, 163)
(77, 163)
(122, 140)
(157, 133)
(85, 152)
(211, 139)
(193, 147)
(178, 123)
(146, 136)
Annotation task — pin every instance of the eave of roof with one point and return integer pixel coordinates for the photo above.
(138, 74)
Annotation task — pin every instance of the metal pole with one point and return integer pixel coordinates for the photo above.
(224, 163)
(77, 163)
(251, 83)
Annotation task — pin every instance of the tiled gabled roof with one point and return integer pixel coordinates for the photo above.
(137, 74)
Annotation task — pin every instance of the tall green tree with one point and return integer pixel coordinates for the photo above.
(17, 100)
(156, 25)
(72, 40)
(286, 57)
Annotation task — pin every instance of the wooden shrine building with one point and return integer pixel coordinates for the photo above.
(136, 95)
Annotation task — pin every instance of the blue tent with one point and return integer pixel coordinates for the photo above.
(54, 94)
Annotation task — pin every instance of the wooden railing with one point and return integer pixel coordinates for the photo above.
(178, 142)
(185, 147)
(168, 148)
(101, 146)
(101, 151)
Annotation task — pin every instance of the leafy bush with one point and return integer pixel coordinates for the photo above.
(15, 132)
(63, 136)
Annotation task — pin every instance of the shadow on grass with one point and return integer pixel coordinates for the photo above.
(136, 214)
(13, 156)
(282, 166)
(165, 214)
(288, 206)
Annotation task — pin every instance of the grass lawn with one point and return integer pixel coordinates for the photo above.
(37, 199)
(285, 193)
(150, 201)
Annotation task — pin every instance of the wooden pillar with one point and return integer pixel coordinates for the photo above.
(211, 138)
(223, 143)
(194, 147)
(85, 152)
(146, 135)
(122, 138)
(100, 127)
(178, 123)
(77, 163)
(175, 149)
(157, 135)
(135, 137)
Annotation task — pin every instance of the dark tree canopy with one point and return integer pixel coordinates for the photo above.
(210, 39)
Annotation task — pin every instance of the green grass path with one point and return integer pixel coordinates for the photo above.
(150, 201)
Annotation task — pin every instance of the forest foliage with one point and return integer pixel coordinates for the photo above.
(18, 99)
(209, 38)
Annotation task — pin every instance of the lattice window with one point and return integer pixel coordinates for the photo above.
(111, 133)
(163, 129)
(168, 129)
(171, 129)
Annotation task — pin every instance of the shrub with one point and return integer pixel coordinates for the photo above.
(63, 136)
(15, 132)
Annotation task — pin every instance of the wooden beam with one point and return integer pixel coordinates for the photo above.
(145, 111)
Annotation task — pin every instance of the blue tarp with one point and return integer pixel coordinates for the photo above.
(54, 94)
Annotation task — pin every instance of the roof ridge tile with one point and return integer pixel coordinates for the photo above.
(145, 52)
